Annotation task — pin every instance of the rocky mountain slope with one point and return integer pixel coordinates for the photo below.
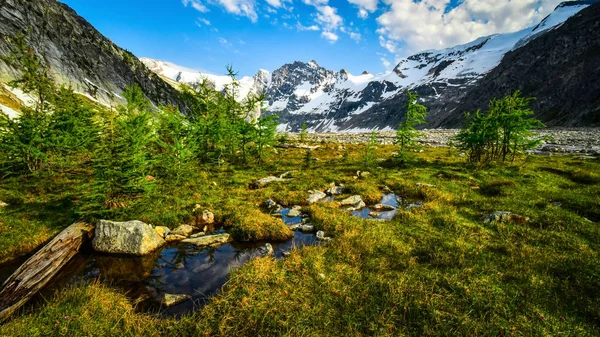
(450, 81)
(561, 68)
(77, 53)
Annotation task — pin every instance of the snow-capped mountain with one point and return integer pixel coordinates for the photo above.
(247, 85)
(338, 101)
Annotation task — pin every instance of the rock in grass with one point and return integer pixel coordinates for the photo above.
(204, 217)
(295, 211)
(162, 231)
(315, 197)
(208, 240)
(424, 185)
(267, 250)
(307, 228)
(3, 204)
(321, 236)
(503, 217)
(335, 190)
(272, 205)
(354, 201)
(260, 183)
(169, 300)
(383, 208)
(130, 237)
(184, 230)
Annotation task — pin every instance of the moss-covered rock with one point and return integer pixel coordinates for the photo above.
(250, 224)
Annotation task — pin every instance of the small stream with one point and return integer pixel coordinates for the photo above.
(390, 199)
(181, 268)
(177, 268)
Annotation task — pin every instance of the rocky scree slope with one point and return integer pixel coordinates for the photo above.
(77, 53)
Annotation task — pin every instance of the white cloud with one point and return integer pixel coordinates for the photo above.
(431, 24)
(277, 3)
(389, 45)
(332, 37)
(355, 36)
(202, 21)
(328, 18)
(370, 5)
(301, 27)
(363, 13)
(365, 7)
(386, 63)
(274, 3)
(240, 7)
(315, 2)
(237, 7)
(196, 4)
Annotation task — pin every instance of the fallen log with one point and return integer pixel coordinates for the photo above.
(39, 269)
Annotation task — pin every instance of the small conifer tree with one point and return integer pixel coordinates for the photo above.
(407, 134)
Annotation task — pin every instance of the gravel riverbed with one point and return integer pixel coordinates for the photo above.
(558, 141)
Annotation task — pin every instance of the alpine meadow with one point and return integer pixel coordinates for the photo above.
(455, 192)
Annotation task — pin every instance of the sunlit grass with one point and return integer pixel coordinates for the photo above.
(434, 270)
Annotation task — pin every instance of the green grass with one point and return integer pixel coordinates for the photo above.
(433, 271)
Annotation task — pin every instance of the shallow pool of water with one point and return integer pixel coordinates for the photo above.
(389, 199)
(178, 268)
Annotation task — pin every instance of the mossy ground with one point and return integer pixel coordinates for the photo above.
(436, 270)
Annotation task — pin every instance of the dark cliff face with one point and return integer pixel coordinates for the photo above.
(561, 68)
(77, 53)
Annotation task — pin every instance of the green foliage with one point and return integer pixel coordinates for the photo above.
(308, 158)
(369, 156)
(303, 132)
(264, 136)
(176, 146)
(122, 161)
(35, 76)
(407, 134)
(59, 126)
(502, 133)
(226, 129)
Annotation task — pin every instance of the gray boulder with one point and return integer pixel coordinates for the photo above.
(315, 197)
(131, 237)
(208, 240)
(354, 201)
(260, 183)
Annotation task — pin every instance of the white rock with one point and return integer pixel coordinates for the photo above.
(131, 237)
(315, 197)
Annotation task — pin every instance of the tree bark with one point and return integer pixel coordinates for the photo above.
(39, 269)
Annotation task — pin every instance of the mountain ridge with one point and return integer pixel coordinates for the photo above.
(77, 54)
(327, 100)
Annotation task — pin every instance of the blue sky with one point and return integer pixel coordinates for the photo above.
(355, 35)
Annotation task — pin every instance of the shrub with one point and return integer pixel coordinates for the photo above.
(502, 133)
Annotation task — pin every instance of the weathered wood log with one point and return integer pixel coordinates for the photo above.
(39, 269)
